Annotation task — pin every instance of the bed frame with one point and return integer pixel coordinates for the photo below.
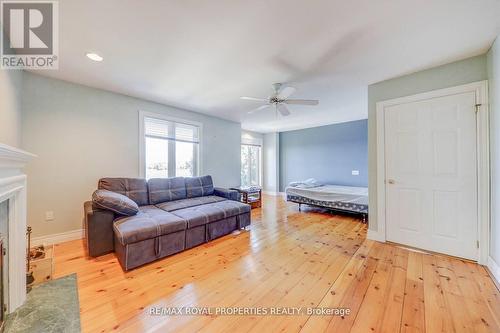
(343, 207)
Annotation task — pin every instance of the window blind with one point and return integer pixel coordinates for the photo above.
(170, 130)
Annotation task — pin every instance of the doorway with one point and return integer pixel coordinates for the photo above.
(433, 171)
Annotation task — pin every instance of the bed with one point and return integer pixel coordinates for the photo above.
(348, 199)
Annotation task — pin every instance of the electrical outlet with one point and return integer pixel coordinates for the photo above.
(49, 216)
(355, 172)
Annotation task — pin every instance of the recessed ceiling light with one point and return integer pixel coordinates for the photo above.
(94, 56)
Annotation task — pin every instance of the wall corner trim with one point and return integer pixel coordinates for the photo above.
(375, 235)
(494, 270)
(58, 238)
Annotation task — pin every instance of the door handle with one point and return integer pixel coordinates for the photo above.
(391, 181)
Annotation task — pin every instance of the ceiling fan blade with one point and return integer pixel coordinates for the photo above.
(286, 92)
(259, 108)
(282, 109)
(302, 101)
(254, 99)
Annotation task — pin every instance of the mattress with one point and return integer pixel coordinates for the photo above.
(333, 196)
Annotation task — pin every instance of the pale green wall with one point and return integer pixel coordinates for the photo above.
(10, 107)
(453, 74)
(81, 134)
(493, 60)
(271, 162)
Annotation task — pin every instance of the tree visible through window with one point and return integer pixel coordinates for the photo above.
(171, 148)
(250, 165)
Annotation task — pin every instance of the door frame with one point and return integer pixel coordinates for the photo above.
(483, 159)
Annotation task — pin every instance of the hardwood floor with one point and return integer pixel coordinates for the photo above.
(287, 259)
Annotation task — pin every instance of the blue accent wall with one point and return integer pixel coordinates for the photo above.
(327, 153)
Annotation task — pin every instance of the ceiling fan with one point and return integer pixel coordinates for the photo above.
(280, 99)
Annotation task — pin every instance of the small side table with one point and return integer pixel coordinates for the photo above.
(250, 195)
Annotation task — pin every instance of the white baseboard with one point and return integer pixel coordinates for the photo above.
(494, 269)
(58, 238)
(375, 235)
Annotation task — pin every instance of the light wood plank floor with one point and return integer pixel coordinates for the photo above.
(287, 259)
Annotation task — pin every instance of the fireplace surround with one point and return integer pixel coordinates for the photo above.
(13, 190)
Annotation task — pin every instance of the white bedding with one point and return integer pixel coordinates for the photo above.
(308, 183)
(332, 193)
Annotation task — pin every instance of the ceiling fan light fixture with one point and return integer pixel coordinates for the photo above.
(280, 99)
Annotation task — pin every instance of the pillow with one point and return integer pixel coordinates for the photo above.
(115, 202)
(308, 183)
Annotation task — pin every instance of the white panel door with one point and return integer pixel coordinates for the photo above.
(431, 165)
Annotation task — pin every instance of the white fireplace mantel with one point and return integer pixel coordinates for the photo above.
(13, 158)
(13, 189)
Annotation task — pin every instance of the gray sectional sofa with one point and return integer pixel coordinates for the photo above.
(174, 214)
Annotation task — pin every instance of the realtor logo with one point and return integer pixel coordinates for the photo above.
(30, 34)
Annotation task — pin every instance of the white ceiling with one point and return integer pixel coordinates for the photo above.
(204, 55)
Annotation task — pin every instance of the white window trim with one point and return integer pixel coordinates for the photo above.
(256, 142)
(142, 141)
(252, 141)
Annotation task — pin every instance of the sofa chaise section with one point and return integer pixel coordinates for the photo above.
(152, 233)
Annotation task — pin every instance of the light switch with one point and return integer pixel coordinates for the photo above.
(49, 216)
(355, 172)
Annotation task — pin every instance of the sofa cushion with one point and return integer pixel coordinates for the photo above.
(150, 222)
(134, 188)
(211, 212)
(227, 193)
(199, 215)
(189, 202)
(115, 202)
(232, 208)
(166, 189)
(199, 186)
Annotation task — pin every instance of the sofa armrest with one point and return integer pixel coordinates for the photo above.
(98, 230)
(228, 194)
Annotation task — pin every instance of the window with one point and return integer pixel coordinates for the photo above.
(251, 164)
(171, 148)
